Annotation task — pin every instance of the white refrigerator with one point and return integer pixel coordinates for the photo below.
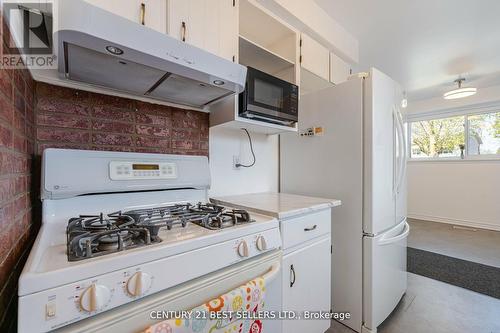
(361, 159)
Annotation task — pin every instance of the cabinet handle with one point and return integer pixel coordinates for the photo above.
(184, 30)
(293, 276)
(311, 228)
(143, 13)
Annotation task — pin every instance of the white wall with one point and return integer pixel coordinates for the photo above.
(262, 177)
(459, 192)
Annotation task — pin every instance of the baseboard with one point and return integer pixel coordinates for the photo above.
(465, 223)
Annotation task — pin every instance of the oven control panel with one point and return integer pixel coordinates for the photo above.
(55, 308)
(123, 170)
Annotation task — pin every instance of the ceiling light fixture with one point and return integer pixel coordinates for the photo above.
(460, 92)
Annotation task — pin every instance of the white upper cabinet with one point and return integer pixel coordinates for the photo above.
(339, 69)
(315, 57)
(209, 25)
(228, 29)
(151, 13)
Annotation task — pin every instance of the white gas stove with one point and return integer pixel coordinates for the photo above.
(118, 227)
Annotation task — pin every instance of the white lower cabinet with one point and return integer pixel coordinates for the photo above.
(306, 285)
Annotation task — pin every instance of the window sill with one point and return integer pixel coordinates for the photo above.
(469, 159)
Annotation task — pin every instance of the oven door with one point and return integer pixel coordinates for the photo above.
(268, 97)
(135, 317)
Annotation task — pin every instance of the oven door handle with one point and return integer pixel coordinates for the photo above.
(272, 273)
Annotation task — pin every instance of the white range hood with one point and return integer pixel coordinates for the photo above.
(100, 48)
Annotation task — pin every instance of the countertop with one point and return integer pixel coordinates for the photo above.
(279, 205)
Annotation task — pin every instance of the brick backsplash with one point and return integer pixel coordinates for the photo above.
(69, 118)
(17, 225)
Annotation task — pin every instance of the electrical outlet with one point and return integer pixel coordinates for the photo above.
(236, 160)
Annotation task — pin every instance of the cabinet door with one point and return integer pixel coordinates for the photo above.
(306, 286)
(339, 69)
(210, 29)
(155, 16)
(154, 12)
(178, 14)
(129, 9)
(228, 29)
(315, 57)
(220, 28)
(186, 21)
(197, 22)
(209, 25)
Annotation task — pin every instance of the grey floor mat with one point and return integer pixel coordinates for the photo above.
(480, 278)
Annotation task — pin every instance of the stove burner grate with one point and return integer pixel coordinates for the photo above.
(91, 236)
(95, 235)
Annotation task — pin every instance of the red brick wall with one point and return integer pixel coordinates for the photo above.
(68, 118)
(17, 228)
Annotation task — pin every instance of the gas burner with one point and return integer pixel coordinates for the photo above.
(158, 217)
(100, 222)
(111, 241)
(217, 217)
(91, 236)
(208, 208)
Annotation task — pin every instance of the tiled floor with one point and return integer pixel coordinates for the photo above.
(481, 246)
(437, 307)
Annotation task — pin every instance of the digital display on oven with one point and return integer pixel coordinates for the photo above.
(146, 166)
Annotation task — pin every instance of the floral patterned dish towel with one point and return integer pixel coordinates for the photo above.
(228, 313)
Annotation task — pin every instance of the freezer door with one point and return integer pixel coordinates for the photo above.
(384, 276)
(380, 165)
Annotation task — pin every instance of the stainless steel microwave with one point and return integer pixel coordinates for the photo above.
(269, 99)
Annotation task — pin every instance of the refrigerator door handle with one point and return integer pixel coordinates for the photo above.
(395, 239)
(404, 147)
(401, 148)
(394, 153)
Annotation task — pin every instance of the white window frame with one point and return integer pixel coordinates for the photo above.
(448, 114)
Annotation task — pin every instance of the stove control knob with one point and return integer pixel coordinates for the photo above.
(94, 298)
(243, 249)
(138, 284)
(261, 243)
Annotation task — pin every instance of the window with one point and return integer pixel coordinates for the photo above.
(437, 138)
(484, 134)
(456, 137)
